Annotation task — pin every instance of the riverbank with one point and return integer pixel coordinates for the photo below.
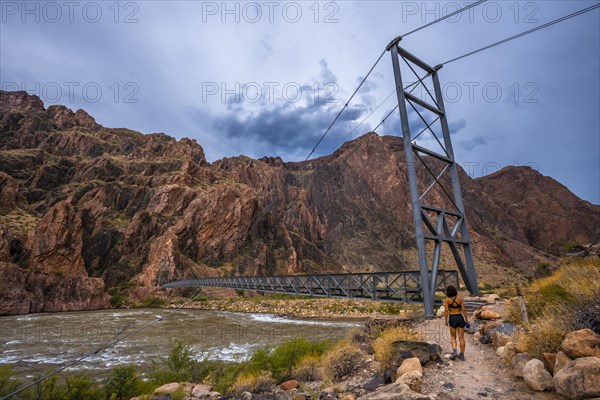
(305, 307)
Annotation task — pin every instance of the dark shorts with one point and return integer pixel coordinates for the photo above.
(456, 321)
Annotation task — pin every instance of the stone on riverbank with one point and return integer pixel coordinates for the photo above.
(579, 379)
(536, 376)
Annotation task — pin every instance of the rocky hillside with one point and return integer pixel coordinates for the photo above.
(84, 209)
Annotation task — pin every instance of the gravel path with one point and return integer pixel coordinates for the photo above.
(482, 375)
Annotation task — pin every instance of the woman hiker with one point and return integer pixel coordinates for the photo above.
(456, 316)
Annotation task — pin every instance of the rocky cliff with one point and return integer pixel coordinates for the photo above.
(86, 209)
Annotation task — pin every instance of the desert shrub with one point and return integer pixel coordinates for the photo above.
(555, 293)
(81, 387)
(281, 360)
(571, 245)
(253, 382)
(342, 360)
(544, 335)
(224, 375)
(180, 366)
(122, 383)
(565, 301)
(152, 302)
(308, 369)
(8, 384)
(390, 308)
(383, 345)
(573, 281)
(513, 311)
(549, 295)
(116, 300)
(542, 269)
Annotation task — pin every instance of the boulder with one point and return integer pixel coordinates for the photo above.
(491, 298)
(440, 311)
(487, 327)
(579, 379)
(246, 396)
(561, 360)
(410, 364)
(389, 376)
(289, 385)
(536, 376)
(518, 362)
(414, 380)
(497, 332)
(510, 349)
(395, 391)
(425, 351)
(201, 390)
(204, 392)
(374, 383)
(499, 339)
(172, 387)
(549, 360)
(488, 315)
(582, 343)
(500, 351)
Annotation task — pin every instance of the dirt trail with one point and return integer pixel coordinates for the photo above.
(481, 375)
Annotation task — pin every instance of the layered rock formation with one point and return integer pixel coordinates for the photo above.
(84, 208)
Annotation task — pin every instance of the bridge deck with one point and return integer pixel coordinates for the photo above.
(388, 286)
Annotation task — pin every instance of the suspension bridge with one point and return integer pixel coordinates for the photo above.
(386, 286)
(433, 223)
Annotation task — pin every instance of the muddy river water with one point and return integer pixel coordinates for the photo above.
(37, 343)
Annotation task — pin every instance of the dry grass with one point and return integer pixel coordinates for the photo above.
(342, 360)
(578, 277)
(308, 368)
(543, 335)
(383, 345)
(559, 304)
(252, 382)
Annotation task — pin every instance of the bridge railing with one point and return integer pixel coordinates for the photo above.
(402, 286)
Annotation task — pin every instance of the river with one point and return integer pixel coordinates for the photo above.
(37, 343)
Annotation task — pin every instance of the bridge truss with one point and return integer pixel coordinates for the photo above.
(388, 286)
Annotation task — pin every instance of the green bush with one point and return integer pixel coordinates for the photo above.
(555, 293)
(122, 383)
(571, 245)
(282, 359)
(152, 302)
(223, 376)
(7, 383)
(180, 366)
(549, 295)
(81, 387)
(116, 300)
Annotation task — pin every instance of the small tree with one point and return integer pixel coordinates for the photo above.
(122, 383)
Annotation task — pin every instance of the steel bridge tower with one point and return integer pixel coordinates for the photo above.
(439, 224)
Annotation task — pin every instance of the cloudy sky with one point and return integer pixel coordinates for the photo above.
(267, 78)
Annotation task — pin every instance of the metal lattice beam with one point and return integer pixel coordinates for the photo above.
(386, 286)
(436, 220)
